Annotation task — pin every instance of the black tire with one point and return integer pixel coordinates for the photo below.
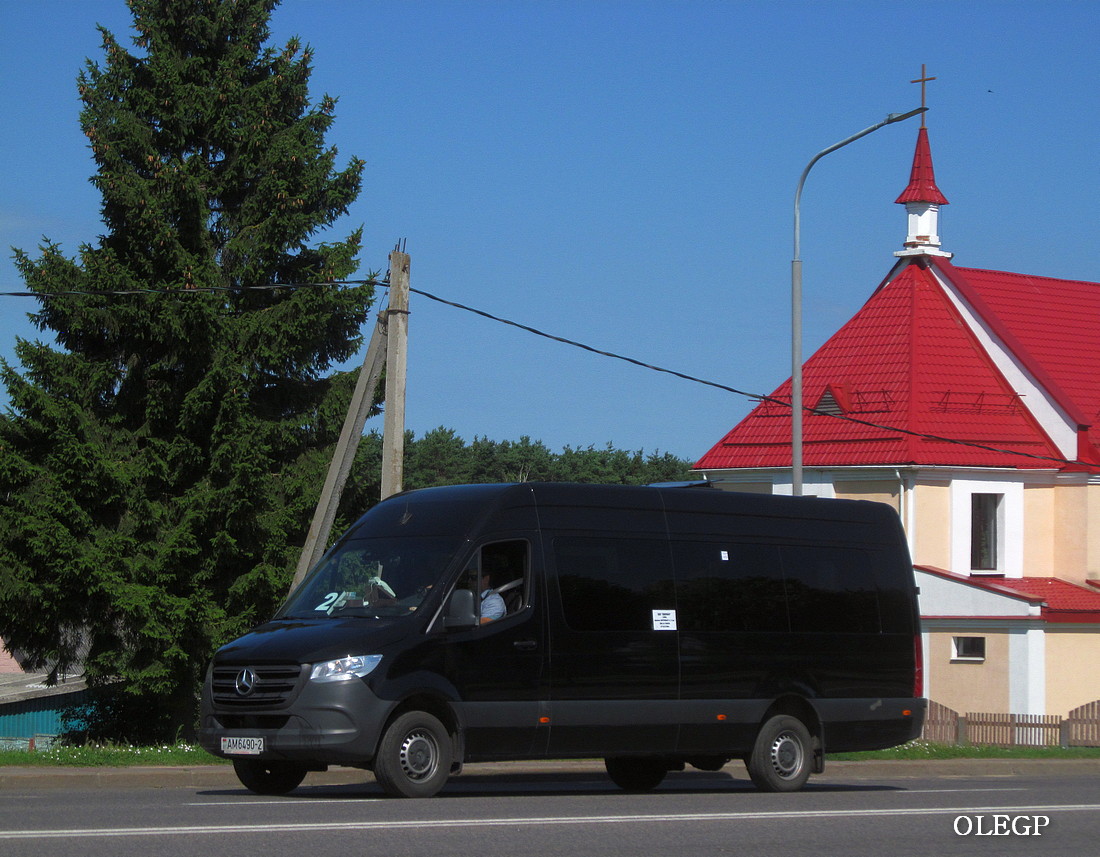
(414, 756)
(782, 755)
(636, 775)
(269, 778)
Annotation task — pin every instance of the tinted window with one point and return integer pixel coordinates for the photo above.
(829, 589)
(729, 587)
(612, 584)
(894, 576)
(497, 575)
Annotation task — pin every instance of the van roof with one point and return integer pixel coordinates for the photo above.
(672, 496)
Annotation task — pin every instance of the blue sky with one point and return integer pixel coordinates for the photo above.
(622, 173)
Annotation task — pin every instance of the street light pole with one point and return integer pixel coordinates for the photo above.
(796, 299)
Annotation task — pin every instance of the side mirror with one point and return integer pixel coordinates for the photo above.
(460, 611)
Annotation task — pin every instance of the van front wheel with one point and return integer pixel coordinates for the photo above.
(781, 757)
(414, 756)
(636, 775)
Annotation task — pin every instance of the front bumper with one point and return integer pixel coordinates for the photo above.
(324, 722)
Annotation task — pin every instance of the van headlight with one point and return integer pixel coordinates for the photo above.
(345, 669)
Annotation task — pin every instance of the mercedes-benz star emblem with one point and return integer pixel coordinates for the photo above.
(245, 682)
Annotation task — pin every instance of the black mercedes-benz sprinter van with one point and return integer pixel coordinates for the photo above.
(655, 627)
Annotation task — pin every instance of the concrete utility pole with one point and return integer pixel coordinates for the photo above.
(397, 346)
(344, 454)
(388, 347)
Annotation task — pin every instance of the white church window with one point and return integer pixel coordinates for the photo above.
(970, 649)
(985, 529)
(987, 526)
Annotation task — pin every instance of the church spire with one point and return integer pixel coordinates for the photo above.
(921, 198)
(922, 178)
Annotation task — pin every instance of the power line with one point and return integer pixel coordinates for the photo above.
(759, 397)
(584, 347)
(384, 283)
(182, 292)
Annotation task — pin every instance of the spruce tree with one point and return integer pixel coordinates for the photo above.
(159, 465)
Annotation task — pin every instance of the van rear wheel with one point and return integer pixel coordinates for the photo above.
(636, 775)
(781, 757)
(269, 778)
(414, 756)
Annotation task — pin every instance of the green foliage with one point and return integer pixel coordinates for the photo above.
(920, 749)
(159, 467)
(441, 457)
(109, 755)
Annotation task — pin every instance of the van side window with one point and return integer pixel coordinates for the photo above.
(505, 564)
(498, 576)
(829, 589)
(724, 587)
(612, 584)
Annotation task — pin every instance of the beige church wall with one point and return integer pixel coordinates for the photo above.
(1039, 526)
(1068, 684)
(1071, 536)
(878, 491)
(932, 542)
(1092, 563)
(965, 686)
(746, 487)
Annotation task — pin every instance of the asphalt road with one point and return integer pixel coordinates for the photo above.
(855, 809)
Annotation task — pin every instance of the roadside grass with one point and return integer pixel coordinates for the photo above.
(927, 750)
(109, 756)
(183, 754)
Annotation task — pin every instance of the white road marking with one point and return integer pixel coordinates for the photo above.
(952, 791)
(426, 824)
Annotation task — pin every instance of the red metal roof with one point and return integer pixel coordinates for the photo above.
(1051, 325)
(907, 360)
(922, 178)
(1061, 601)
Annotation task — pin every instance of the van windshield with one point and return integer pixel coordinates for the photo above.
(379, 577)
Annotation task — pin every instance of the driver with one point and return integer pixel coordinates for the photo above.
(492, 605)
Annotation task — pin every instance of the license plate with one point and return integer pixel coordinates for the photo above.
(238, 746)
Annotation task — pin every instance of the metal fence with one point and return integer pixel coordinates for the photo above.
(1081, 728)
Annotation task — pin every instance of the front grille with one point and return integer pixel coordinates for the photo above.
(273, 686)
(254, 721)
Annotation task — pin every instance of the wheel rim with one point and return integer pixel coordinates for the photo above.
(419, 755)
(787, 755)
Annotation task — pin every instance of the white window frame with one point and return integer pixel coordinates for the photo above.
(957, 656)
(1010, 526)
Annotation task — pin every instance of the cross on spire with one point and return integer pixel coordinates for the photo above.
(922, 80)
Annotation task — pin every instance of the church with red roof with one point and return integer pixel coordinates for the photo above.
(969, 400)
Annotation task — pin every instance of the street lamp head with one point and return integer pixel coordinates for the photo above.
(901, 117)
